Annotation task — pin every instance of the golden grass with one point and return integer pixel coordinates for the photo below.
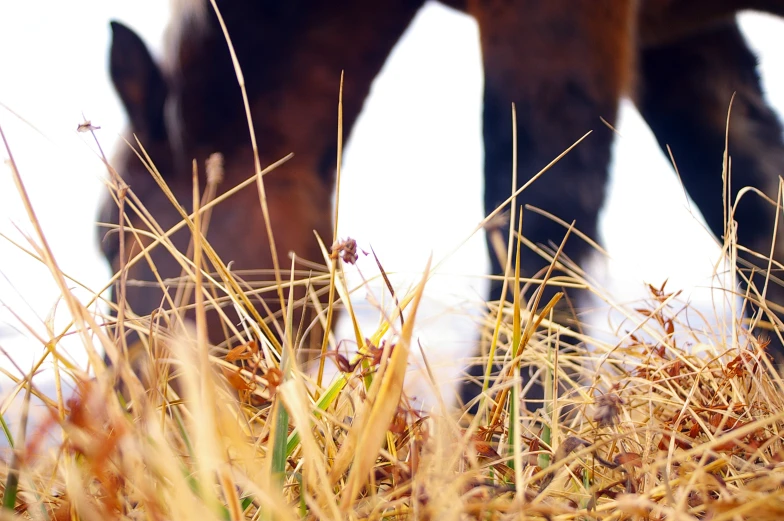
(645, 428)
(640, 429)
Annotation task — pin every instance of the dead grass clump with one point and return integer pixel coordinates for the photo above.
(652, 427)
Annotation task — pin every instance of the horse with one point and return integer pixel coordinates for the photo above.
(565, 65)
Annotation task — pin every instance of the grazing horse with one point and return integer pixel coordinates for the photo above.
(564, 63)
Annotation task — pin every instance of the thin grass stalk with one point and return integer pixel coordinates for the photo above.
(514, 401)
(256, 160)
(334, 257)
(507, 267)
(207, 442)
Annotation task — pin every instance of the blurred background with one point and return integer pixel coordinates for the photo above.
(419, 137)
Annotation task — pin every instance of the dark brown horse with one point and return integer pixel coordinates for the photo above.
(564, 63)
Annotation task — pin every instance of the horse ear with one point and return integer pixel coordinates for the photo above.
(138, 81)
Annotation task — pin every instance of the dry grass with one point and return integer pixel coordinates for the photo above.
(659, 425)
(642, 429)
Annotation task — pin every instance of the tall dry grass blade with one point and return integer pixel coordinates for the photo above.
(256, 160)
(507, 267)
(513, 439)
(204, 407)
(332, 261)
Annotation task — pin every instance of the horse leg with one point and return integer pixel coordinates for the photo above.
(565, 65)
(685, 93)
(668, 21)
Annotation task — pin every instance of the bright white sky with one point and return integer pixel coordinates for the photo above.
(415, 160)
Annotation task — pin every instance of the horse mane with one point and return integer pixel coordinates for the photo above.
(186, 17)
(205, 105)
